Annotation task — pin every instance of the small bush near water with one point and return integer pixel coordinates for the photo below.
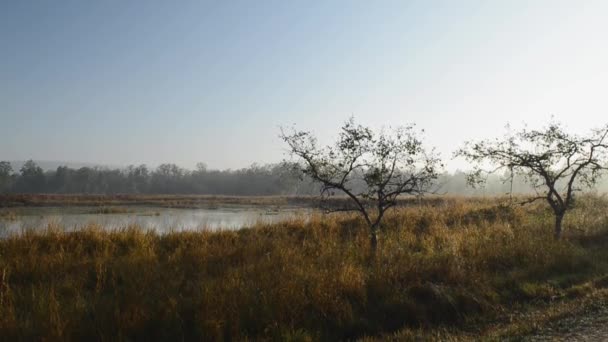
(436, 266)
(110, 210)
(8, 215)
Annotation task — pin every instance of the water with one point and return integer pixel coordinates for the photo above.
(159, 219)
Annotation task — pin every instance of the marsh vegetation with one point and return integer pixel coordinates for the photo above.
(379, 261)
(455, 268)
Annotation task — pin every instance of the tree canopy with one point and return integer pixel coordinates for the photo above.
(555, 163)
(372, 168)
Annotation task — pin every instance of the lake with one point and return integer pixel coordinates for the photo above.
(160, 219)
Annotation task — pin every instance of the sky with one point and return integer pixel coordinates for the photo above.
(129, 82)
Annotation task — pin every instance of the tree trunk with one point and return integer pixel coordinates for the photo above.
(373, 243)
(559, 217)
(374, 240)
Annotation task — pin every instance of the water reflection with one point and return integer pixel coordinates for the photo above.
(160, 219)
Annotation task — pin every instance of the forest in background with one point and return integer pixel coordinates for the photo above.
(256, 180)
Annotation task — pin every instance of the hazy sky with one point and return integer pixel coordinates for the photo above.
(125, 82)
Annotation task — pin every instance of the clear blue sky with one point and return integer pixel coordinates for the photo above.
(128, 82)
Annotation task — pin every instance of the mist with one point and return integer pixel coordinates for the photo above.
(255, 180)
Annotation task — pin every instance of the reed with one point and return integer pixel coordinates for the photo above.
(438, 267)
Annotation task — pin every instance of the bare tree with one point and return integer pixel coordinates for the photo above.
(555, 163)
(371, 168)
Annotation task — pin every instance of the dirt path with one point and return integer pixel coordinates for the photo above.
(591, 325)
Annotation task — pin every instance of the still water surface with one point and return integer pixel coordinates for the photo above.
(160, 219)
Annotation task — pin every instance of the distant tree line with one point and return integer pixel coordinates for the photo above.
(270, 179)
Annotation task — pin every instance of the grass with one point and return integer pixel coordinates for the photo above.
(168, 201)
(192, 201)
(450, 270)
(110, 210)
(8, 215)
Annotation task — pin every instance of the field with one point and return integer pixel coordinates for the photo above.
(455, 269)
(191, 201)
(168, 201)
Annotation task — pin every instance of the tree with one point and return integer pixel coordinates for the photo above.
(169, 178)
(6, 171)
(371, 168)
(32, 178)
(61, 180)
(555, 163)
(138, 178)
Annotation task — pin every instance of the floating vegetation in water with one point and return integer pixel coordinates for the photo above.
(8, 215)
(111, 210)
(150, 213)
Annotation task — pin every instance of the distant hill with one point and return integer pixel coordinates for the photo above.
(47, 165)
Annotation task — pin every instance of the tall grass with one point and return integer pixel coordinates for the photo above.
(437, 265)
(191, 201)
(8, 215)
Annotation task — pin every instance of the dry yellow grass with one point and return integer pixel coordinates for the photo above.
(439, 267)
